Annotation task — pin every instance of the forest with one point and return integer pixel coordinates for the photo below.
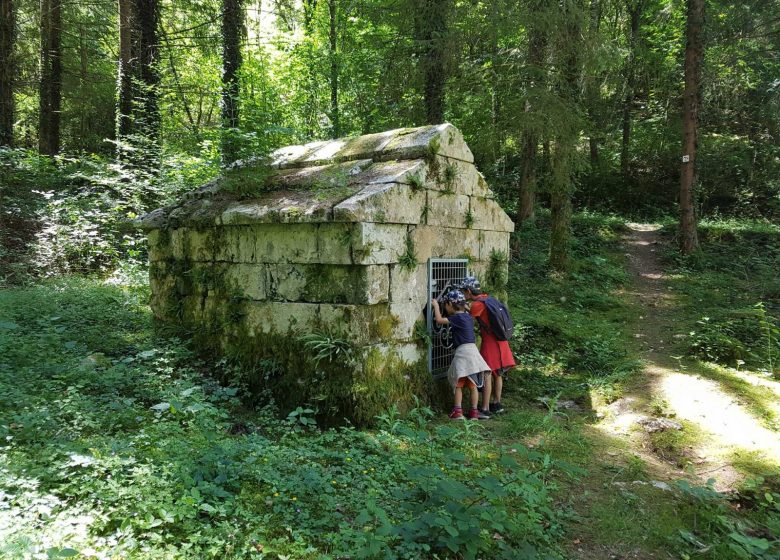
(635, 144)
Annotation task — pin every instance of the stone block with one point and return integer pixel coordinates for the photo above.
(279, 208)
(273, 318)
(362, 324)
(365, 146)
(481, 188)
(408, 298)
(453, 175)
(487, 214)
(285, 243)
(295, 156)
(364, 285)
(492, 241)
(378, 243)
(444, 140)
(159, 244)
(409, 285)
(390, 203)
(447, 210)
(406, 314)
(246, 281)
(443, 242)
(178, 243)
(409, 172)
(235, 244)
(334, 242)
(200, 244)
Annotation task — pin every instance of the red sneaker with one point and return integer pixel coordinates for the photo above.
(457, 414)
(476, 414)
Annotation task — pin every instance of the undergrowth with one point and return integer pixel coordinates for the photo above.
(732, 294)
(115, 442)
(572, 336)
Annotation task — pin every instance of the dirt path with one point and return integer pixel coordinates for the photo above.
(719, 431)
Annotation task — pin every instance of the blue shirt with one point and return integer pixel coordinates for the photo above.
(462, 328)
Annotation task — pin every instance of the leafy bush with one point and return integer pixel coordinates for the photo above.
(128, 442)
(715, 529)
(74, 214)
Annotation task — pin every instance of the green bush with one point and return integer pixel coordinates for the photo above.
(127, 440)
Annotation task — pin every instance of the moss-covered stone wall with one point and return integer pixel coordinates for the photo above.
(328, 246)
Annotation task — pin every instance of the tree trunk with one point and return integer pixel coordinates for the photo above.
(232, 31)
(593, 94)
(311, 87)
(334, 70)
(561, 184)
(7, 39)
(50, 90)
(593, 143)
(560, 225)
(432, 36)
(147, 112)
(694, 53)
(527, 197)
(125, 72)
(634, 10)
(537, 46)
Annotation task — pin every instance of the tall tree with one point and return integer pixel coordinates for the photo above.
(537, 47)
(147, 16)
(138, 113)
(592, 89)
(694, 53)
(432, 35)
(634, 8)
(567, 135)
(50, 91)
(7, 39)
(334, 68)
(125, 71)
(232, 32)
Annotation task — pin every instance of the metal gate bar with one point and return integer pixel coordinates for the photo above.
(442, 274)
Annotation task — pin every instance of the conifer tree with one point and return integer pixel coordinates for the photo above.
(7, 40)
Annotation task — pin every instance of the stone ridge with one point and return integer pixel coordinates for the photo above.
(399, 144)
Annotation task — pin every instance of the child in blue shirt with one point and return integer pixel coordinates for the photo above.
(468, 366)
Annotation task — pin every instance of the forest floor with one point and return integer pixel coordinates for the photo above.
(116, 441)
(676, 419)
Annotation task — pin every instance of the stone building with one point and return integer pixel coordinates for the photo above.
(332, 240)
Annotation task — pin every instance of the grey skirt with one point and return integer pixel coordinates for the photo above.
(466, 362)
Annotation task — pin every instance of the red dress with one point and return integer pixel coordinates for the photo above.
(495, 352)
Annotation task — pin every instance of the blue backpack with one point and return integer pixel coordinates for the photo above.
(501, 324)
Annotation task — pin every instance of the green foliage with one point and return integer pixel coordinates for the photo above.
(416, 182)
(469, 219)
(128, 437)
(246, 181)
(715, 527)
(74, 215)
(736, 268)
(569, 329)
(747, 337)
(408, 260)
(329, 347)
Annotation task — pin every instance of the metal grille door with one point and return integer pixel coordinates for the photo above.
(442, 274)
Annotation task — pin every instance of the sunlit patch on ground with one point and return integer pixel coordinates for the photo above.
(702, 401)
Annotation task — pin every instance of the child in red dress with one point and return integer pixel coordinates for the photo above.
(496, 353)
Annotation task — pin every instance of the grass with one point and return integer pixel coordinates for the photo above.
(129, 447)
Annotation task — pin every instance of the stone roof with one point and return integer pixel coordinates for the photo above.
(378, 177)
